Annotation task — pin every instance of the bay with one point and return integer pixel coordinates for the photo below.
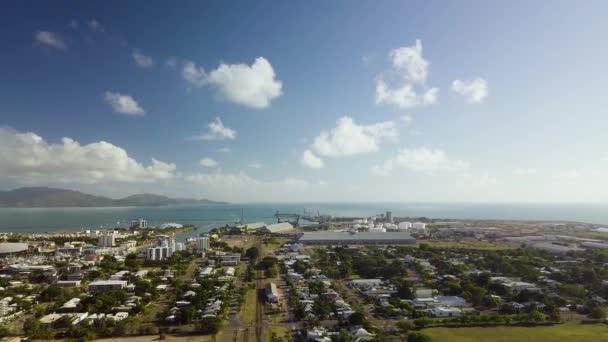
(208, 216)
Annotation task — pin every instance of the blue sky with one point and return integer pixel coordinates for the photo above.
(318, 101)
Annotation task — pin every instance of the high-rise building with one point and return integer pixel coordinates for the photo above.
(139, 224)
(165, 247)
(389, 216)
(202, 244)
(106, 240)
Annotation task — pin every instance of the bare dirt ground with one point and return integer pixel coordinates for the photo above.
(149, 338)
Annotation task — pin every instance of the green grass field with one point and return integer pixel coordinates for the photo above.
(247, 313)
(556, 333)
(469, 244)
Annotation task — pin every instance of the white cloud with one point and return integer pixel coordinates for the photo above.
(409, 61)
(50, 39)
(29, 159)
(171, 62)
(142, 60)
(208, 162)
(224, 150)
(252, 85)
(425, 160)
(404, 96)
(255, 165)
(217, 131)
(349, 138)
(411, 71)
(96, 26)
(474, 91)
(309, 159)
(193, 74)
(124, 104)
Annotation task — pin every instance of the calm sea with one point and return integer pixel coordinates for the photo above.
(208, 216)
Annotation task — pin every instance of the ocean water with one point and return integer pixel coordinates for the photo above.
(208, 216)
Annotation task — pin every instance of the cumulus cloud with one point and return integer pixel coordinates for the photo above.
(346, 139)
(216, 131)
(411, 71)
(309, 159)
(142, 60)
(193, 74)
(409, 61)
(404, 96)
(349, 138)
(50, 39)
(29, 159)
(474, 91)
(252, 85)
(208, 162)
(124, 104)
(425, 160)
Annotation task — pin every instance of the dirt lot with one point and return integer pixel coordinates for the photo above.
(149, 338)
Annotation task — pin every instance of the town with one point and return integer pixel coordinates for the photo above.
(377, 278)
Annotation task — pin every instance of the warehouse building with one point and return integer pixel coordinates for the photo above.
(355, 238)
(272, 294)
(10, 248)
(276, 228)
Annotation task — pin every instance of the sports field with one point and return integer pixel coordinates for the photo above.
(557, 333)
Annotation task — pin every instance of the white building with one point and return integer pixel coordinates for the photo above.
(171, 225)
(165, 247)
(443, 311)
(158, 253)
(5, 308)
(405, 225)
(202, 244)
(141, 224)
(419, 225)
(106, 240)
(107, 285)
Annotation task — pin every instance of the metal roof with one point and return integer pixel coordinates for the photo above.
(388, 237)
(278, 227)
(12, 247)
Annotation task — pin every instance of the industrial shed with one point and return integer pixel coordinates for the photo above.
(276, 228)
(355, 238)
(12, 248)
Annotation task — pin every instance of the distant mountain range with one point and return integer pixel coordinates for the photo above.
(44, 197)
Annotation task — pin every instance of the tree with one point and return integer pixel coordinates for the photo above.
(418, 337)
(536, 316)
(422, 322)
(4, 331)
(404, 327)
(343, 336)
(252, 253)
(131, 261)
(357, 318)
(598, 313)
(271, 271)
